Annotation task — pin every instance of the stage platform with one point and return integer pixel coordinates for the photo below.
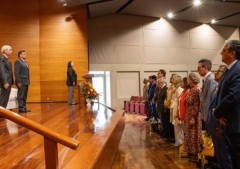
(98, 129)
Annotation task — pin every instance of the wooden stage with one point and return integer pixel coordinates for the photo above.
(98, 129)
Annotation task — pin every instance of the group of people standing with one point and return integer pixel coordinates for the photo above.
(22, 80)
(184, 109)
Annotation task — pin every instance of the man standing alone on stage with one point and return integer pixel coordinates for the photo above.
(6, 75)
(21, 71)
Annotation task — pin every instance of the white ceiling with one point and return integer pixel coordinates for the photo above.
(225, 11)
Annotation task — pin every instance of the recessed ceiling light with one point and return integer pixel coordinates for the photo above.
(213, 21)
(170, 15)
(197, 2)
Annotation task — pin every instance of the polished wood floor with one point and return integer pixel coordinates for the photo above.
(21, 148)
(144, 149)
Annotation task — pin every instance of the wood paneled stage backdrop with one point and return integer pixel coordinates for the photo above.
(51, 35)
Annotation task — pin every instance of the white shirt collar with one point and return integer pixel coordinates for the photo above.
(204, 78)
(5, 55)
(23, 60)
(231, 65)
(163, 85)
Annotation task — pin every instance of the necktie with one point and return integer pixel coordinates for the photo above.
(215, 91)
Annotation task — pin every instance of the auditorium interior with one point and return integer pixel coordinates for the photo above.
(114, 45)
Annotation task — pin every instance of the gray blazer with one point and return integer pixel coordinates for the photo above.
(21, 71)
(208, 88)
(6, 74)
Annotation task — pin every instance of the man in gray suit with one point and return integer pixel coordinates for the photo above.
(21, 71)
(6, 75)
(209, 85)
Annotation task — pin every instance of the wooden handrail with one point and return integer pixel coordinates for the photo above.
(51, 138)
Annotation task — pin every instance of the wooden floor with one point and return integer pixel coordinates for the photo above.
(141, 148)
(21, 148)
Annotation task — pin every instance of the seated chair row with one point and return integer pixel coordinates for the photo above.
(135, 105)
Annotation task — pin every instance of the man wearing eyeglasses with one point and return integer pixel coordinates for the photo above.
(227, 109)
(220, 148)
(208, 86)
(6, 75)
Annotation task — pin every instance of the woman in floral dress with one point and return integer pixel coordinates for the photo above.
(193, 122)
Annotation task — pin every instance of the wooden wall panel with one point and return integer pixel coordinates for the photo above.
(20, 30)
(51, 35)
(63, 38)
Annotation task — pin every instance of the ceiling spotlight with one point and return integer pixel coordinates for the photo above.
(65, 4)
(197, 2)
(170, 15)
(213, 21)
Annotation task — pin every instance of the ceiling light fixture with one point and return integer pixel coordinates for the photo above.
(170, 15)
(213, 21)
(197, 2)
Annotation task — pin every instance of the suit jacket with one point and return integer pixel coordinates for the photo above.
(144, 95)
(148, 90)
(228, 97)
(209, 86)
(6, 74)
(21, 71)
(161, 96)
(151, 92)
(156, 91)
(212, 122)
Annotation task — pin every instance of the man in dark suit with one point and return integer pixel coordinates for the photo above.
(228, 100)
(151, 94)
(214, 125)
(21, 71)
(159, 104)
(6, 75)
(208, 86)
(147, 107)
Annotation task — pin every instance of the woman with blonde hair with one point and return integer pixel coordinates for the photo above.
(174, 95)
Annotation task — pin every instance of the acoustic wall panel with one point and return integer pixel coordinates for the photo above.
(127, 84)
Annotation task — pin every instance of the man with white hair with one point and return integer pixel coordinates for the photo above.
(159, 105)
(6, 75)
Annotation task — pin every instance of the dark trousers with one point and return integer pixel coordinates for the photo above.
(220, 151)
(204, 125)
(232, 141)
(170, 127)
(147, 110)
(164, 122)
(4, 96)
(22, 97)
(150, 107)
(154, 112)
(167, 120)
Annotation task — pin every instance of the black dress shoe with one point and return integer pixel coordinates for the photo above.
(28, 110)
(73, 103)
(147, 119)
(164, 136)
(21, 111)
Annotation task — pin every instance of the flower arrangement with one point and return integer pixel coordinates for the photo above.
(88, 91)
